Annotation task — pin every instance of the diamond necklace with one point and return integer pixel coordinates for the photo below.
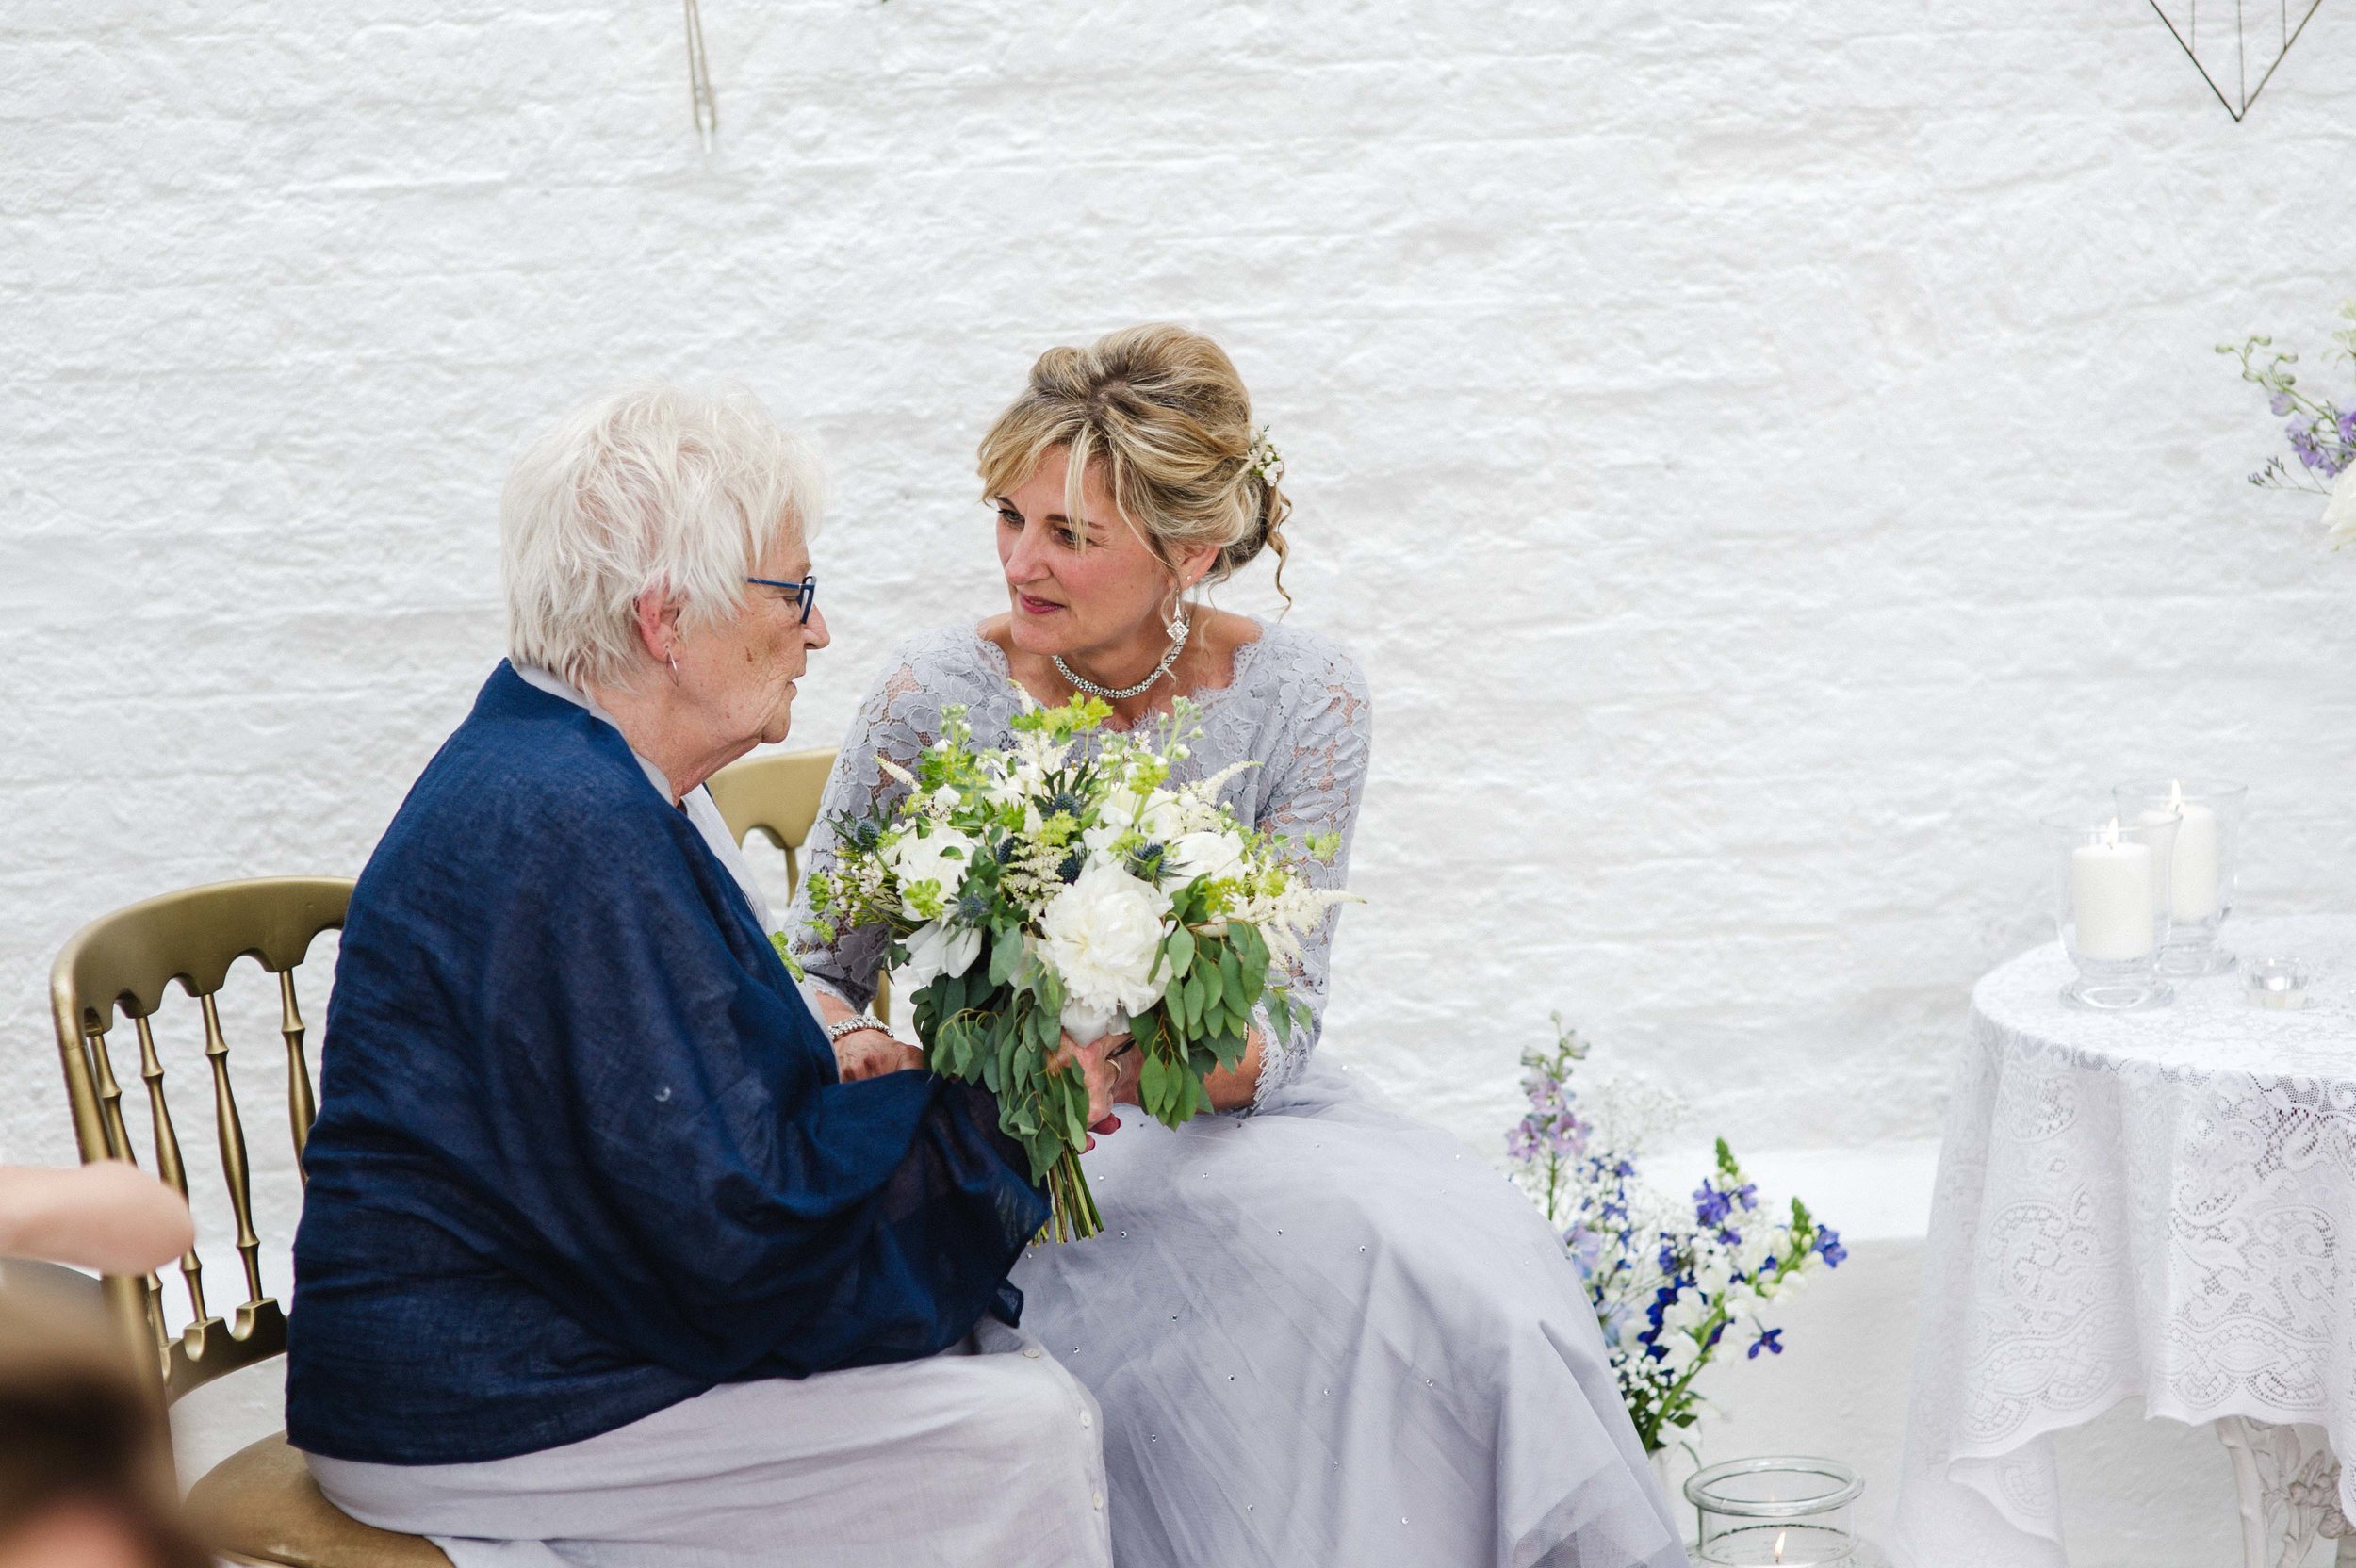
(1177, 647)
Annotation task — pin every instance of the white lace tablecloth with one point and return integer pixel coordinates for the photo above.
(2144, 1204)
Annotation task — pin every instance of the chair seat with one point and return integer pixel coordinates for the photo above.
(260, 1505)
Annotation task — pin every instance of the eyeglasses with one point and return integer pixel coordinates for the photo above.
(804, 592)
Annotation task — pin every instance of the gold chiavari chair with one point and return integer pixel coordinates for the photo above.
(260, 1505)
(778, 796)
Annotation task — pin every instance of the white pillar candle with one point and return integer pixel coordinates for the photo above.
(2111, 898)
(2192, 876)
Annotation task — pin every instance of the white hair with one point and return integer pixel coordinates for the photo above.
(652, 488)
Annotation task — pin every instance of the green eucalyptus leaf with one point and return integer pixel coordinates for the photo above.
(1005, 956)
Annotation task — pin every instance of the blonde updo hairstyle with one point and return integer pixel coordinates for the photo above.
(1162, 416)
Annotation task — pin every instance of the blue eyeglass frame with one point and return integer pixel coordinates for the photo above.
(804, 592)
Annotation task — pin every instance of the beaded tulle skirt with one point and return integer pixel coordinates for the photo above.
(1327, 1333)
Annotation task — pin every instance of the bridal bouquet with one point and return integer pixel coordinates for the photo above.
(1051, 886)
(1667, 1279)
(2322, 432)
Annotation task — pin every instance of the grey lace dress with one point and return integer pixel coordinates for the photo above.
(1320, 1332)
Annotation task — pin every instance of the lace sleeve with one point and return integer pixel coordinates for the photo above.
(899, 719)
(1318, 775)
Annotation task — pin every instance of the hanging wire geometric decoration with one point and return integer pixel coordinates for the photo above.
(2231, 40)
(706, 109)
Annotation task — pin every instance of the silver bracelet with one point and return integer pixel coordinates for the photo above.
(853, 1024)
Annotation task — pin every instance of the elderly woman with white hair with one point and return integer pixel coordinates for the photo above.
(604, 1258)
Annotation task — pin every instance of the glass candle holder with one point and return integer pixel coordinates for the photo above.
(2202, 869)
(2112, 901)
(1782, 1510)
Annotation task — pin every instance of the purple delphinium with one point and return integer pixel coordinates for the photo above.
(1551, 1139)
(2321, 434)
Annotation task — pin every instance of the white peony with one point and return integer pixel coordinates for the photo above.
(1216, 855)
(936, 948)
(1086, 1025)
(940, 857)
(2339, 517)
(1102, 933)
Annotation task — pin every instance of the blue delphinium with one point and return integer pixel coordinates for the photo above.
(1666, 1279)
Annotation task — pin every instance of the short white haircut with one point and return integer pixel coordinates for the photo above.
(654, 487)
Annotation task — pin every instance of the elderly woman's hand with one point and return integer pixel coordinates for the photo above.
(1101, 1072)
(871, 1054)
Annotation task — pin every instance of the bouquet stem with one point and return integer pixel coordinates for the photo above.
(1073, 1216)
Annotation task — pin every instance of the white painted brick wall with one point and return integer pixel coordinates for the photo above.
(1763, 454)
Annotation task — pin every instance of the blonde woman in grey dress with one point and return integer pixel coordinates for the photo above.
(1320, 1332)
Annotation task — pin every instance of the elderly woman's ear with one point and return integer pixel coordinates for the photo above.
(658, 626)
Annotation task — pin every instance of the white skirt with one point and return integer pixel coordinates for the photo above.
(982, 1457)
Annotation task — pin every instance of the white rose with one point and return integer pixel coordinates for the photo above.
(1214, 854)
(940, 857)
(2339, 517)
(1102, 933)
(937, 948)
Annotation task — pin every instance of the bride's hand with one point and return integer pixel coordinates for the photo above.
(1128, 1063)
(871, 1054)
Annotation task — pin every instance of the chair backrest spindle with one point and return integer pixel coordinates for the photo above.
(168, 1162)
(109, 1095)
(302, 1109)
(231, 1132)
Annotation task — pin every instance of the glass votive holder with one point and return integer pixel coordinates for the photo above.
(2112, 904)
(2202, 867)
(2276, 984)
(1780, 1510)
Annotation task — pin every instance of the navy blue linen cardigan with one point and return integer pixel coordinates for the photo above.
(581, 1151)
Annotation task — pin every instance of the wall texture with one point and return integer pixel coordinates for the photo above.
(1763, 454)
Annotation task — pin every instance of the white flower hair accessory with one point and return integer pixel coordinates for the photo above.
(1264, 459)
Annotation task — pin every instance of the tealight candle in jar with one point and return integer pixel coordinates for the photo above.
(1784, 1510)
(2278, 983)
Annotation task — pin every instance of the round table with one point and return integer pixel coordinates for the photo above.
(2146, 1204)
